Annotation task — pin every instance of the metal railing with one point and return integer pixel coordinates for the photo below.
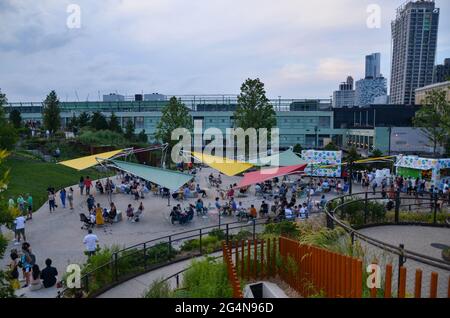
(144, 257)
(338, 209)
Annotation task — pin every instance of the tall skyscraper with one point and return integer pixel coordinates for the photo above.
(414, 40)
(441, 72)
(373, 65)
(373, 85)
(345, 96)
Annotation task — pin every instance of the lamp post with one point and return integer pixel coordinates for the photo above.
(316, 129)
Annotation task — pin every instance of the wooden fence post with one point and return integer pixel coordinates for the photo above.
(433, 285)
(402, 283)
(418, 284)
(388, 282)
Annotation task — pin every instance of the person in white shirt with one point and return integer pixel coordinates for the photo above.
(20, 228)
(303, 212)
(288, 213)
(90, 241)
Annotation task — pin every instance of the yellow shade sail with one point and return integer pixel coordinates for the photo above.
(227, 166)
(89, 161)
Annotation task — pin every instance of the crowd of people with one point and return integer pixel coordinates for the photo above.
(24, 261)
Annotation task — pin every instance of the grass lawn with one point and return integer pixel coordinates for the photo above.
(28, 175)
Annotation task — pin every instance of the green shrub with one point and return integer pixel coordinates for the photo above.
(354, 211)
(209, 244)
(218, 233)
(206, 279)
(242, 235)
(158, 289)
(419, 217)
(160, 253)
(285, 228)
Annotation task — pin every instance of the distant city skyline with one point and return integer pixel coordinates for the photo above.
(299, 49)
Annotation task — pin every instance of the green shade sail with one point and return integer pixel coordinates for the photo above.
(285, 159)
(169, 179)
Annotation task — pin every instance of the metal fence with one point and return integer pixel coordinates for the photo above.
(144, 257)
(412, 274)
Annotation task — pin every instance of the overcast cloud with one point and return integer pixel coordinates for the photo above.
(299, 49)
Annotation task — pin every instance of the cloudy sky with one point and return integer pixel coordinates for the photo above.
(299, 49)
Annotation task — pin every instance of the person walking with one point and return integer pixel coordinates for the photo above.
(62, 196)
(51, 201)
(88, 185)
(21, 203)
(70, 198)
(20, 228)
(81, 185)
(30, 206)
(90, 241)
(90, 202)
(11, 203)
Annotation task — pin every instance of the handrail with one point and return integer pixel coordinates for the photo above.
(386, 246)
(200, 233)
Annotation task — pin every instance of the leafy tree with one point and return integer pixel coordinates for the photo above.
(73, 123)
(15, 118)
(298, 148)
(114, 124)
(174, 115)
(98, 121)
(6, 218)
(142, 136)
(3, 101)
(52, 118)
(376, 153)
(129, 130)
(254, 109)
(331, 147)
(84, 120)
(8, 135)
(433, 118)
(352, 155)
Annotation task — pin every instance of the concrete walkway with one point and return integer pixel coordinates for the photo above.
(415, 238)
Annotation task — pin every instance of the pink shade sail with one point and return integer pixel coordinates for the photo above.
(268, 174)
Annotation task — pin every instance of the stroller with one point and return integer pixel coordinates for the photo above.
(87, 224)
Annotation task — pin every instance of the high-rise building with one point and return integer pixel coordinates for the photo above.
(374, 85)
(368, 89)
(345, 96)
(414, 40)
(373, 65)
(441, 73)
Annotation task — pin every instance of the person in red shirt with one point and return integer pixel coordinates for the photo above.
(87, 185)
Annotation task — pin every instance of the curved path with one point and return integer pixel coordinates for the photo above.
(424, 240)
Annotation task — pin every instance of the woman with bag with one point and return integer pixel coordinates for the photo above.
(14, 265)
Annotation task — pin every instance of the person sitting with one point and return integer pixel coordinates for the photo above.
(186, 192)
(49, 274)
(99, 187)
(288, 214)
(199, 207)
(138, 213)
(175, 215)
(36, 283)
(112, 212)
(200, 191)
(130, 212)
(230, 192)
(218, 206)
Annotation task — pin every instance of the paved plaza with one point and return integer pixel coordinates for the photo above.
(59, 235)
